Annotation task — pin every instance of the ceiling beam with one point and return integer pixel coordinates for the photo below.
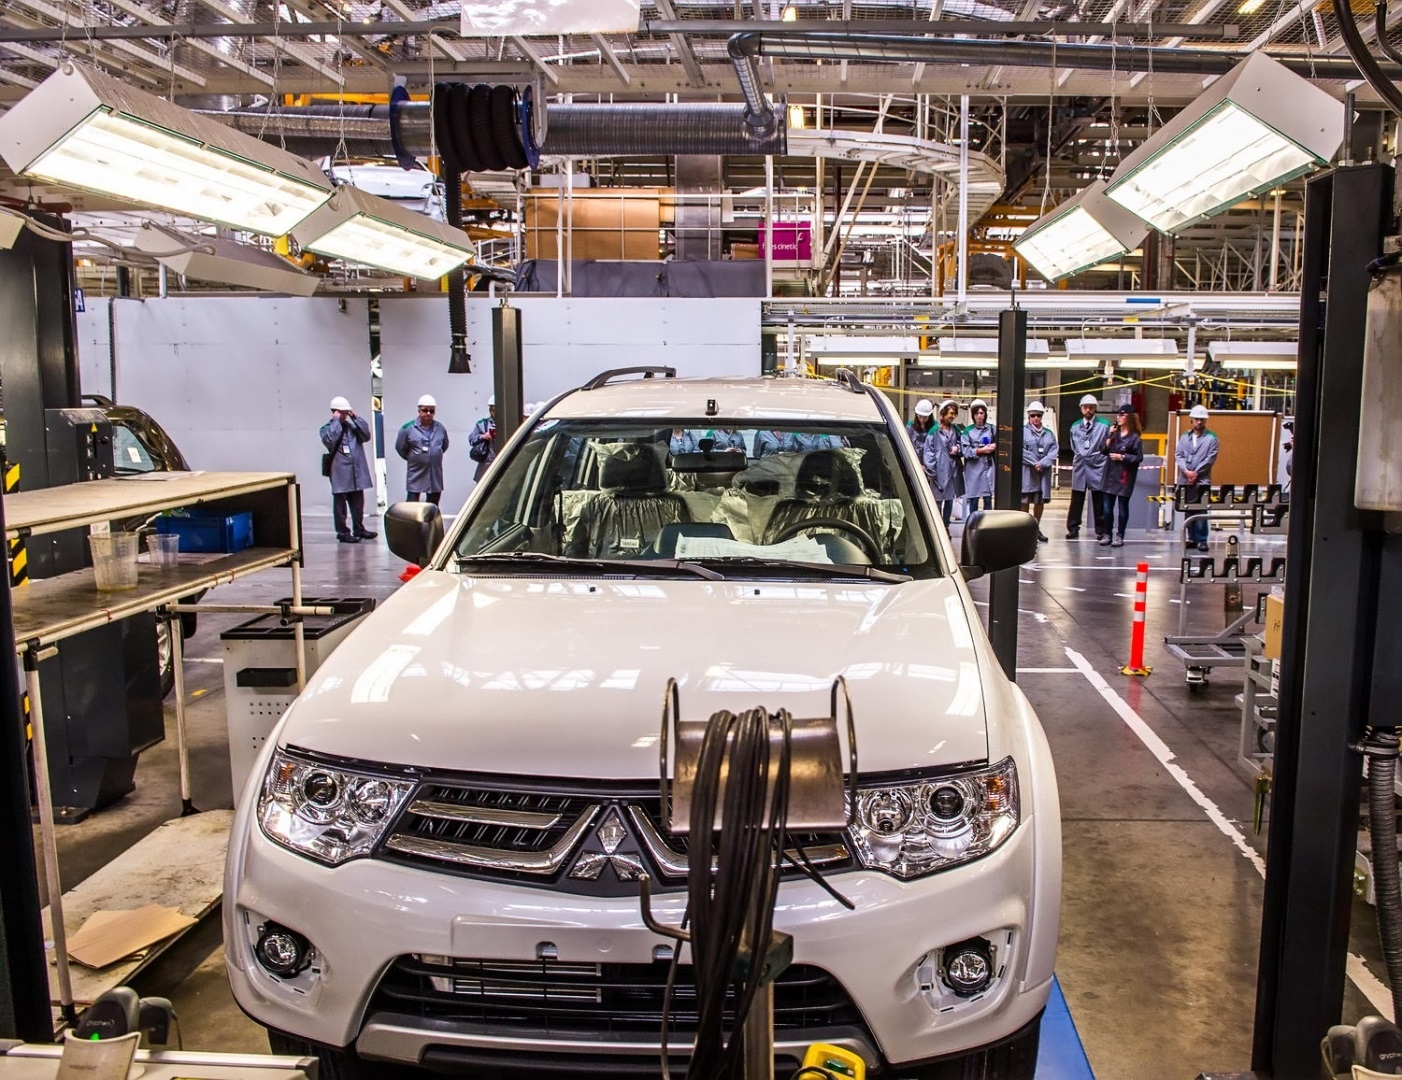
(449, 49)
(115, 64)
(606, 51)
(546, 68)
(685, 55)
(299, 53)
(352, 41)
(1208, 9)
(135, 51)
(151, 18)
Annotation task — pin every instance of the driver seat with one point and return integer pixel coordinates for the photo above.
(624, 519)
(828, 485)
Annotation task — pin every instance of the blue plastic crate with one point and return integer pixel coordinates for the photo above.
(210, 532)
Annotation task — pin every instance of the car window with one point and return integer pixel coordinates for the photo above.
(129, 455)
(632, 491)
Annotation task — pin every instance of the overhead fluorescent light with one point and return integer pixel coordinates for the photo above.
(857, 361)
(366, 229)
(842, 346)
(11, 225)
(1082, 232)
(1063, 363)
(1132, 352)
(208, 258)
(986, 348)
(1257, 126)
(1255, 355)
(949, 362)
(491, 18)
(81, 129)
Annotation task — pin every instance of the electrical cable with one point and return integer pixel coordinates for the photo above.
(1367, 66)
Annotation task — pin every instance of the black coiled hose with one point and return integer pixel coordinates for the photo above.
(1381, 748)
(734, 905)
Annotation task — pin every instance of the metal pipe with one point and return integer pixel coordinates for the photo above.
(963, 246)
(1038, 54)
(1275, 244)
(1379, 79)
(760, 115)
(1380, 34)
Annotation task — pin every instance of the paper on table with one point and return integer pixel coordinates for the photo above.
(107, 936)
(799, 549)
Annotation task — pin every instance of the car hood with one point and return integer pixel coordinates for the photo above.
(566, 678)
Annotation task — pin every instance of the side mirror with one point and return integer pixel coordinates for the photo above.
(997, 540)
(413, 530)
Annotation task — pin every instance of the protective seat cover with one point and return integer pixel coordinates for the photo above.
(623, 521)
(829, 486)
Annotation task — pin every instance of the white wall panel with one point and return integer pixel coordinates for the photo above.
(564, 343)
(244, 383)
(94, 353)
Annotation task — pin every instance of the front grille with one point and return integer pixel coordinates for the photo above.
(554, 999)
(595, 841)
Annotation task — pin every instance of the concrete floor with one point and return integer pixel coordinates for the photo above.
(1161, 907)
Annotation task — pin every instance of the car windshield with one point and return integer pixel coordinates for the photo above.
(696, 499)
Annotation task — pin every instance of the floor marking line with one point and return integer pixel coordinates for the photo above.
(1165, 756)
(1047, 670)
(1369, 984)
(203, 659)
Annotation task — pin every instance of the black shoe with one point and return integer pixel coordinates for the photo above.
(1041, 536)
(1202, 547)
(366, 534)
(1073, 535)
(347, 538)
(1104, 541)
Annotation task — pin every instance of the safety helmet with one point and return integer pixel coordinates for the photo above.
(948, 403)
(1198, 412)
(491, 401)
(340, 403)
(1090, 399)
(427, 402)
(977, 403)
(530, 408)
(1035, 407)
(924, 407)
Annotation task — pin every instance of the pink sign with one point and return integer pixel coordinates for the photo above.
(793, 240)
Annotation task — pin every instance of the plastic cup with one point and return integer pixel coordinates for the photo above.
(164, 549)
(114, 560)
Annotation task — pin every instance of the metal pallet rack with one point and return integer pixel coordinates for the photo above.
(181, 862)
(1259, 707)
(1261, 510)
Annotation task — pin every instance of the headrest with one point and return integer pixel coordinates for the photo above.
(827, 474)
(635, 468)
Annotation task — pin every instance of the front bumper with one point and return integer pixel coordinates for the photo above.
(363, 915)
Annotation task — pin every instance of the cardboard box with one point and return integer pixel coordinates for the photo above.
(1274, 623)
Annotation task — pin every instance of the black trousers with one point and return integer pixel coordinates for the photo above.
(1107, 504)
(427, 496)
(354, 501)
(1077, 512)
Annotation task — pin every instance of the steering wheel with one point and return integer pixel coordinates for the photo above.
(863, 537)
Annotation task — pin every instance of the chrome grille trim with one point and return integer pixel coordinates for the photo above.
(675, 864)
(534, 862)
(483, 815)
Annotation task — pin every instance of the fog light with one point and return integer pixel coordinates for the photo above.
(282, 951)
(968, 967)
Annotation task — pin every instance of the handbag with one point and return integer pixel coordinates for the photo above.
(326, 460)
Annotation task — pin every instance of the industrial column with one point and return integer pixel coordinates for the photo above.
(1007, 482)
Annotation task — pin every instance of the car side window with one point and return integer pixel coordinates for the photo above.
(129, 455)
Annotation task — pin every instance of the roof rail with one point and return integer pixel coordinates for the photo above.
(606, 377)
(847, 378)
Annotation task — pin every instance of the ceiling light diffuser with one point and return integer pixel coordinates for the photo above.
(209, 258)
(1085, 230)
(1255, 355)
(366, 229)
(11, 225)
(1257, 126)
(81, 129)
(986, 348)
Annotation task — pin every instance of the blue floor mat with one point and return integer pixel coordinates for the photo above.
(1060, 1055)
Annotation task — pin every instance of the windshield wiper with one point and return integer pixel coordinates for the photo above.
(752, 562)
(641, 568)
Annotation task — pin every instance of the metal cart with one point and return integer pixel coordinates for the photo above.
(1259, 509)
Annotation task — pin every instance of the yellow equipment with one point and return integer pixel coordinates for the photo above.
(832, 1062)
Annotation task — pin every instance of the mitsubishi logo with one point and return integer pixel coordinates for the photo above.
(611, 834)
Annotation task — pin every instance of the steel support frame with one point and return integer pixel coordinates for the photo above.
(1332, 584)
(506, 371)
(1007, 483)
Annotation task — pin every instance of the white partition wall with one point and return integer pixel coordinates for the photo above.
(94, 348)
(563, 342)
(239, 382)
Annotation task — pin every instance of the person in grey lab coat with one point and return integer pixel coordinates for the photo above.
(422, 443)
(482, 441)
(941, 458)
(1039, 450)
(979, 445)
(1087, 467)
(921, 424)
(344, 437)
(1193, 458)
(726, 440)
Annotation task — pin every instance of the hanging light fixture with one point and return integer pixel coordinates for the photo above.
(11, 225)
(367, 229)
(1255, 127)
(1083, 231)
(210, 258)
(1255, 355)
(82, 129)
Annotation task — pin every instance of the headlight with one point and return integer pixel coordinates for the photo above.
(917, 828)
(324, 811)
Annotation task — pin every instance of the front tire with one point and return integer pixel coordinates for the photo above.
(334, 1062)
(1013, 1059)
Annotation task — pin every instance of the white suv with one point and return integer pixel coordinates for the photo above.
(436, 860)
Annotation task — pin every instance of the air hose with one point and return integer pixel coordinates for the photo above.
(1381, 747)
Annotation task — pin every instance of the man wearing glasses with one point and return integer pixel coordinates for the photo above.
(422, 443)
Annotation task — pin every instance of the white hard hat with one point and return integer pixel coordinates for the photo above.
(1035, 407)
(491, 400)
(529, 408)
(1090, 399)
(428, 402)
(924, 407)
(1198, 412)
(340, 403)
(978, 403)
(948, 403)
